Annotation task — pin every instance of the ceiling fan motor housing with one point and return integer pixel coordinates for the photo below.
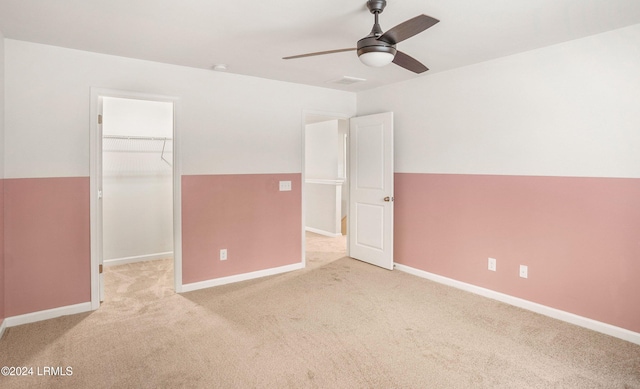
(371, 44)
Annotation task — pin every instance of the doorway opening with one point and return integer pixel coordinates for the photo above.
(326, 188)
(133, 177)
(137, 181)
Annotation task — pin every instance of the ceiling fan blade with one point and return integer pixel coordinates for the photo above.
(408, 29)
(409, 63)
(319, 53)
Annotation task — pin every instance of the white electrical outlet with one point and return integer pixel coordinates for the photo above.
(524, 271)
(285, 186)
(492, 264)
(223, 254)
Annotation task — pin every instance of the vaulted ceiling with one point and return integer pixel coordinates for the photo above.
(251, 37)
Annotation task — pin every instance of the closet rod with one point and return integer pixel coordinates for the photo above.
(127, 137)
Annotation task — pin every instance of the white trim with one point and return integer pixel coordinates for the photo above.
(3, 327)
(608, 329)
(95, 171)
(137, 258)
(241, 277)
(322, 232)
(323, 182)
(177, 196)
(47, 314)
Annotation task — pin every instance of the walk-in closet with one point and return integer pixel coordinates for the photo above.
(137, 180)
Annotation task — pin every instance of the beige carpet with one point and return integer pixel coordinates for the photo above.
(339, 323)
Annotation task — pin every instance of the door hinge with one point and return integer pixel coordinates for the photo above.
(99, 119)
(100, 269)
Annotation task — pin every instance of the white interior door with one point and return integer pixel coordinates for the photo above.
(371, 189)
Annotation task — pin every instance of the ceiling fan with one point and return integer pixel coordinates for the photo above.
(379, 48)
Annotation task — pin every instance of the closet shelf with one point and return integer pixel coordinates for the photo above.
(139, 144)
(127, 137)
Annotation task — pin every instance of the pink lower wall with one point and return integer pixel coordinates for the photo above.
(47, 243)
(580, 238)
(2, 278)
(246, 214)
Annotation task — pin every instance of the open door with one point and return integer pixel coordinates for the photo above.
(371, 189)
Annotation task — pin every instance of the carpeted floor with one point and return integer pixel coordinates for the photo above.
(339, 323)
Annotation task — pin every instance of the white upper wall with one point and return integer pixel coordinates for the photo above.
(565, 110)
(226, 123)
(571, 109)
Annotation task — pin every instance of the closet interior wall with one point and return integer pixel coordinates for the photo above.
(137, 154)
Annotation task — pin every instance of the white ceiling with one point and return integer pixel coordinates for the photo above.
(252, 36)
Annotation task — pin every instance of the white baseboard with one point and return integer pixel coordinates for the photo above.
(137, 258)
(3, 326)
(241, 277)
(47, 314)
(581, 321)
(322, 232)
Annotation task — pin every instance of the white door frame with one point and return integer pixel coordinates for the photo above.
(96, 184)
(332, 115)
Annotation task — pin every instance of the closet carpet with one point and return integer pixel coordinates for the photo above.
(339, 323)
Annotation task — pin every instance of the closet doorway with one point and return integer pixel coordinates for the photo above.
(134, 177)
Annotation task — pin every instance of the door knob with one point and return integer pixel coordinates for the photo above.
(387, 199)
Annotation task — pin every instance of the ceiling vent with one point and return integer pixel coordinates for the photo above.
(346, 80)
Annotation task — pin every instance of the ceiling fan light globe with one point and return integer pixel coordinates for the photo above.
(376, 59)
